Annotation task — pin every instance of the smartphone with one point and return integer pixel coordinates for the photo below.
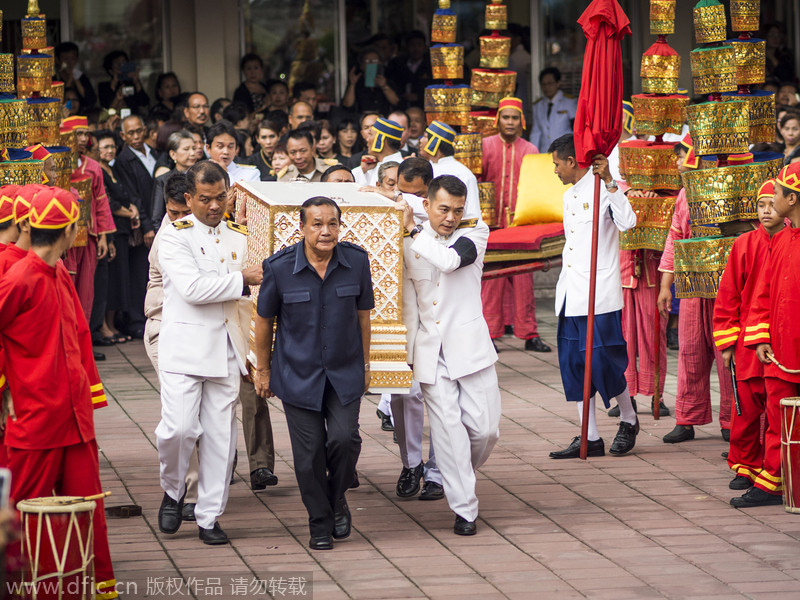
(124, 113)
(5, 487)
(128, 67)
(128, 90)
(370, 72)
(68, 104)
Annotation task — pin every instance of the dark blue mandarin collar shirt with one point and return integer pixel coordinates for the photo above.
(318, 335)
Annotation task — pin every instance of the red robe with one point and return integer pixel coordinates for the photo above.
(501, 165)
(773, 320)
(734, 298)
(54, 385)
(83, 260)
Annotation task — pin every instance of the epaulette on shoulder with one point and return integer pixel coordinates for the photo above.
(330, 161)
(237, 227)
(468, 223)
(245, 166)
(182, 224)
(569, 96)
(353, 246)
(287, 253)
(282, 172)
(539, 100)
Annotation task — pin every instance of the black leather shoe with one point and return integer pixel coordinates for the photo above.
(214, 536)
(103, 341)
(726, 434)
(464, 527)
(756, 497)
(724, 455)
(740, 482)
(614, 410)
(169, 515)
(681, 433)
(321, 542)
(386, 420)
(508, 330)
(663, 411)
(408, 483)
(233, 468)
(341, 520)
(261, 478)
(431, 491)
(356, 482)
(137, 333)
(596, 448)
(98, 356)
(187, 512)
(537, 345)
(625, 439)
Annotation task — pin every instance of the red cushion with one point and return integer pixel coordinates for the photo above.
(525, 237)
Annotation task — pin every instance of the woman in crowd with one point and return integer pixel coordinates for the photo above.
(348, 144)
(126, 219)
(216, 109)
(181, 150)
(326, 140)
(790, 133)
(124, 90)
(168, 88)
(252, 92)
(265, 138)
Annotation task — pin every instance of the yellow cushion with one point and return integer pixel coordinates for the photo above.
(540, 195)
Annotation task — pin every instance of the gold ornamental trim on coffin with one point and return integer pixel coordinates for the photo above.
(21, 172)
(649, 165)
(496, 16)
(486, 193)
(653, 220)
(369, 220)
(482, 121)
(469, 151)
(750, 58)
(495, 50)
(7, 84)
(443, 28)
(713, 69)
(699, 263)
(709, 22)
(662, 17)
(44, 119)
(761, 105)
(656, 115)
(719, 127)
(14, 119)
(745, 15)
(727, 194)
(447, 61)
(62, 162)
(448, 103)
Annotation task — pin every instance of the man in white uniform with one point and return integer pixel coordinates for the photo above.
(449, 346)
(554, 112)
(202, 350)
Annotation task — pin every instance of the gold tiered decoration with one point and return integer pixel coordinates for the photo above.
(448, 104)
(662, 17)
(7, 74)
(489, 86)
(62, 161)
(727, 194)
(447, 61)
(482, 121)
(443, 28)
(496, 16)
(699, 263)
(750, 58)
(761, 105)
(369, 220)
(13, 123)
(745, 15)
(710, 23)
(653, 220)
(469, 151)
(649, 165)
(34, 32)
(660, 72)
(719, 127)
(44, 118)
(495, 50)
(713, 70)
(488, 203)
(656, 114)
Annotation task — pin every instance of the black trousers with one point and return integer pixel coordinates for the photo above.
(325, 449)
(139, 272)
(98, 314)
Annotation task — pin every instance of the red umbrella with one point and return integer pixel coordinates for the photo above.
(598, 123)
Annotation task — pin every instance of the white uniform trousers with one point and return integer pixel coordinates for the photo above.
(464, 415)
(409, 420)
(199, 408)
(385, 406)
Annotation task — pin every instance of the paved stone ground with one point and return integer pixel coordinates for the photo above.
(655, 524)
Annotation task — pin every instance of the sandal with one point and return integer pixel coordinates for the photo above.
(118, 338)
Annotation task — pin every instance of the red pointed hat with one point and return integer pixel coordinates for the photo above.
(24, 200)
(789, 177)
(53, 208)
(510, 102)
(691, 161)
(71, 124)
(7, 195)
(767, 189)
(740, 159)
(38, 152)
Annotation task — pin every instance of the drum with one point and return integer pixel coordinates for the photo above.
(58, 544)
(790, 453)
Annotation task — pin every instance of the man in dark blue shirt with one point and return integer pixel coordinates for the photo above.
(320, 290)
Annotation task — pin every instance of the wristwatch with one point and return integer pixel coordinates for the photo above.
(415, 231)
(611, 185)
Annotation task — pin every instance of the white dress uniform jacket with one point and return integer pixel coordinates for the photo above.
(616, 214)
(450, 321)
(237, 172)
(448, 165)
(203, 284)
(546, 129)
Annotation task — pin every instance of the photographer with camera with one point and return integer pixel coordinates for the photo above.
(125, 89)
